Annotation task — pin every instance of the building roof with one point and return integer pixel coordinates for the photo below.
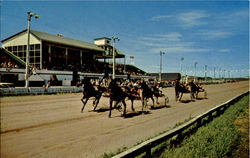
(71, 42)
(102, 38)
(60, 39)
(109, 54)
(63, 40)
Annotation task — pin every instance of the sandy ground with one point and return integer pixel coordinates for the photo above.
(53, 126)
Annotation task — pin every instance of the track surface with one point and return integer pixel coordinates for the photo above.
(53, 126)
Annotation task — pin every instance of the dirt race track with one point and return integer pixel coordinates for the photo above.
(53, 126)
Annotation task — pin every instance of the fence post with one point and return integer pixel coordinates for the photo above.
(198, 123)
(148, 152)
(210, 117)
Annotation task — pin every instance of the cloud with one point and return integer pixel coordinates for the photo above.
(174, 36)
(185, 19)
(160, 17)
(170, 43)
(192, 19)
(235, 18)
(225, 50)
(214, 34)
(180, 49)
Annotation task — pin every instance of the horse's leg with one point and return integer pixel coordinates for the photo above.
(191, 96)
(142, 101)
(117, 107)
(132, 104)
(152, 98)
(165, 99)
(177, 96)
(110, 103)
(84, 103)
(97, 101)
(181, 96)
(124, 111)
(157, 101)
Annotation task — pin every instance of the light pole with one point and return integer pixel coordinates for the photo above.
(219, 73)
(181, 65)
(160, 64)
(114, 39)
(214, 73)
(30, 14)
(205, 73)
(195, 71)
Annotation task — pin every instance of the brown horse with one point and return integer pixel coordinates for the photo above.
(116, 94)
(181, 89)
(150, 93)
(196, 89)
(119, 94)
(89, 91)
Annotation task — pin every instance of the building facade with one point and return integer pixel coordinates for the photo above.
(56, 52)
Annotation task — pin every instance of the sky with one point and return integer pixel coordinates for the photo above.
(213, 34)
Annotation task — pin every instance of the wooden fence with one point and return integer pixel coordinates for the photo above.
(197, 122)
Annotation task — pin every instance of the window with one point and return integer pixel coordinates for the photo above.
(37, 53)
(32, 46)
(32, 60)
(20, 48)
(37, 59)
(32, 54)
(9, 49)
(15, 48)
(37, 47)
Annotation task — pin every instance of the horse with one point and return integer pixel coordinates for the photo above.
(148, 92)
(196, 89)
(180, 89)
(118, 95)
(89, 91)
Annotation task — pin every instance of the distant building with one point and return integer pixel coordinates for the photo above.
(168, 76)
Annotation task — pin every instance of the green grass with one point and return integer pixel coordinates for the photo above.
(220, 138)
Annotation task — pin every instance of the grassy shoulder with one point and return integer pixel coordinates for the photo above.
(225, 136)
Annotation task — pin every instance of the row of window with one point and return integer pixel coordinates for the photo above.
(33, 47)
(20, 51)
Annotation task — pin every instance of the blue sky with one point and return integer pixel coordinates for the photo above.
(214, 33)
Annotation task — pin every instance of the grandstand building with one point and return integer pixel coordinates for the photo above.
(50, 54)
(57, 52)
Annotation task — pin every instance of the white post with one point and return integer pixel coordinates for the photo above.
(160, 64)
(114, 38)
(113, 77)
(28, 49)
(27, 54)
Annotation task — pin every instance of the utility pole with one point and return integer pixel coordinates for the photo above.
(214, 72)
(30, 14)
(205, 73)
(195, 71)
(114, 39)
(160, 64)
(181, 64)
